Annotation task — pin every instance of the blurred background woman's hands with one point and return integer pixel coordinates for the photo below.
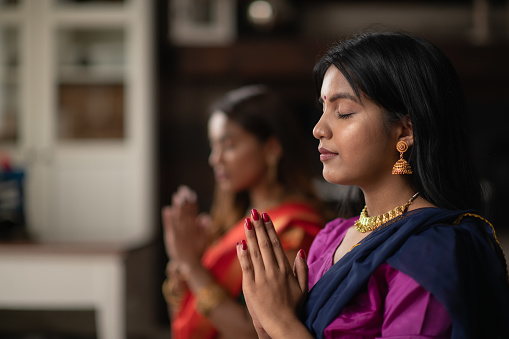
(186, 234)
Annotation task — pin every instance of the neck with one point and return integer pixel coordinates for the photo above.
(382, 198)
(265, 197)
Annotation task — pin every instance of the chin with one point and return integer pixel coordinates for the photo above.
(228, 186)
(335, 178)
(225, 185)
(328, 176)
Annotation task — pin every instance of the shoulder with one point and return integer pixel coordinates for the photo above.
(466, 230)
(461, 249)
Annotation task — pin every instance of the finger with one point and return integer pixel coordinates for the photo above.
(185, 194)
(166, 216)
(300, 269)
(279, 253)
(189, 210)
(168, 232)
(253, 248)
(188, 218)
(178, 213)
(188, 194)
(175, 218)
(186, 199)
(177, 198)
(248, 273)
(264, 241)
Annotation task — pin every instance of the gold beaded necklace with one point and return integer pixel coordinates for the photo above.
(366, 224)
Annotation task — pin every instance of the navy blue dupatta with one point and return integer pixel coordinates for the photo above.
(461, 265)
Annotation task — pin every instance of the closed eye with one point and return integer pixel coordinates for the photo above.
(345, 115)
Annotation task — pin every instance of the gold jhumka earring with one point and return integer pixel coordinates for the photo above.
(401, 166)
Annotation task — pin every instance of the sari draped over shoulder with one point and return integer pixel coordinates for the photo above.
(452, 254)
(296, 223)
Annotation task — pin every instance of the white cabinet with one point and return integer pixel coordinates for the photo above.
(76, 113)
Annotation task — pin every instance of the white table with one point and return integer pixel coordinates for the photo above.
(62, 277)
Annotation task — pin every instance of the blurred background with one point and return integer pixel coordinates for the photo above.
(103, 109)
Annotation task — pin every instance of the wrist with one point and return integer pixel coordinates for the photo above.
(172, 268)
(190, 269)
(287, 325)
(174, 289)
(209, 297)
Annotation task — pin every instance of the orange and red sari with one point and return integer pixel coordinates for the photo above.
(296, 223)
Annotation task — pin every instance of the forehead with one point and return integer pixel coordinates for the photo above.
(335, 81)
(217, 122)
(221, 127)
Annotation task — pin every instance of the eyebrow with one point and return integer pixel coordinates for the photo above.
(226, 136)
(342, 95)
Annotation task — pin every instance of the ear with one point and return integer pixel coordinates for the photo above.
(406, 130)
(273, 149)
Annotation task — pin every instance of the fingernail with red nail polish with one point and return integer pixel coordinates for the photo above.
(255, 215)
(302, 254)
(249, 226)
(244, 245)
(265, 217)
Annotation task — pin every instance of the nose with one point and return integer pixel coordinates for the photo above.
(214, 157)
(322, 129)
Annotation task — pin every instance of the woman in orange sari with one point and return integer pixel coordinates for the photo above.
(258, 164)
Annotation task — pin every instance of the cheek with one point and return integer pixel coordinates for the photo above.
(350, 143)
(362, 152)
(371, 154)
(245, 167)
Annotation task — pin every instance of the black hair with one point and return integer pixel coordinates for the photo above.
(409, 76)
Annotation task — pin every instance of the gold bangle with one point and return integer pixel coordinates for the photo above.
(209, 297)
(173, 291)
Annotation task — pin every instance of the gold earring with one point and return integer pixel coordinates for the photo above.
(401, 166)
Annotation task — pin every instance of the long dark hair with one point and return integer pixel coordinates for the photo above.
(407, 75)
(264, 113)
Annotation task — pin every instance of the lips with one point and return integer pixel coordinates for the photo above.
(325, 154)
(220, 176)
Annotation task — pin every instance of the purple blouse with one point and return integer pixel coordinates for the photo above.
(392, 305)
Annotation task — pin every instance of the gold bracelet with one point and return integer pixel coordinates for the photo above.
(173, 291)
(209, 297)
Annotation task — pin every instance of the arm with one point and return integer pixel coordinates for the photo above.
(273, 290)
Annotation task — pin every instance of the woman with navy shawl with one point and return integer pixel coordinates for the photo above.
(420, 261)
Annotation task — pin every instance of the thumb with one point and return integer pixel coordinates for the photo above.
(300, 270)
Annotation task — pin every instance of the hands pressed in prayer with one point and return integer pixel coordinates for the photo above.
(273, 290)
(186, 233)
